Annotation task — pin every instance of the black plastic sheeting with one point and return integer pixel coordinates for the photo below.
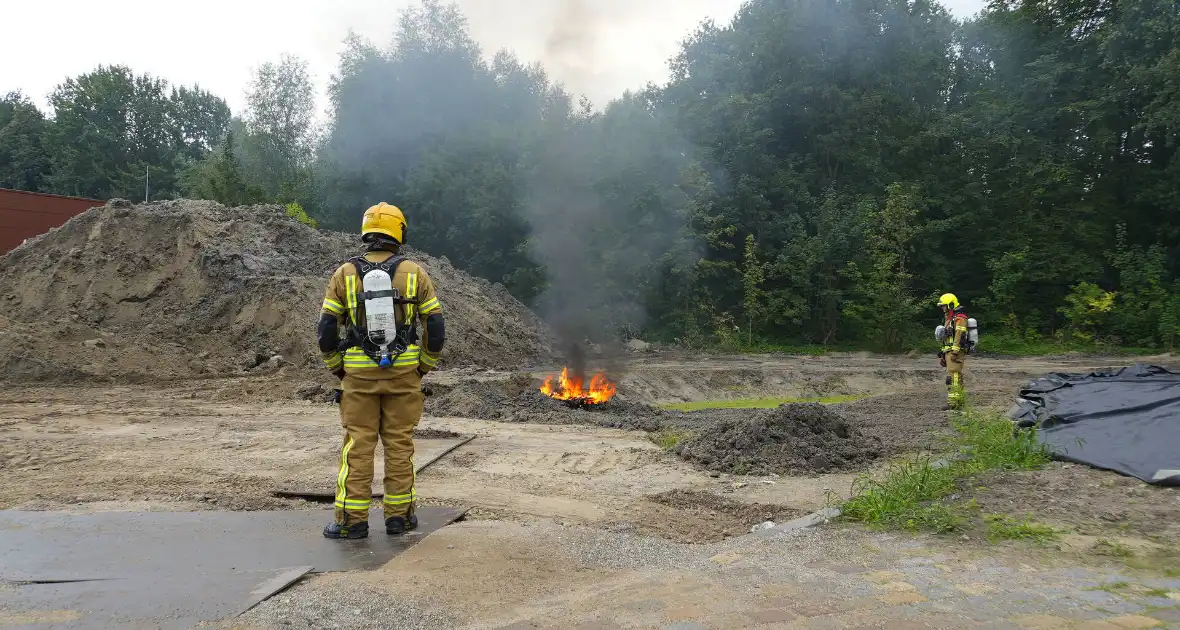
(1121, 419)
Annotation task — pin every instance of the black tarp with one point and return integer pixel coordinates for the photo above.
(1122, 419)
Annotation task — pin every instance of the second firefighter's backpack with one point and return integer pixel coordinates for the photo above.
(946, 335)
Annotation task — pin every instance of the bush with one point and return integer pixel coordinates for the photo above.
(1087, 308)
(295, 211)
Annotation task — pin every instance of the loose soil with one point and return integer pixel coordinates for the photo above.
(181, 289)
(1083, 500)
(195, 446)
(698, 517)
(791, 439)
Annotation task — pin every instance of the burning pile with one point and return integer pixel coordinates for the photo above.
(576, 391)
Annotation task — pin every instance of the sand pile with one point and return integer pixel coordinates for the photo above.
(180, 289)
(791, 439)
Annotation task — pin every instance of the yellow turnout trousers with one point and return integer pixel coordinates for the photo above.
(955, 393)
(389, 409)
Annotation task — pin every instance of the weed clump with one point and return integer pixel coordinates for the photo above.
(1001, 527)
(912, 495)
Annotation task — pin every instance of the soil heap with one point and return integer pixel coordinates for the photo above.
(792, 439)
(181, 289)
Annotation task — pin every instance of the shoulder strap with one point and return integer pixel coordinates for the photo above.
(364, 265)
(389, 266)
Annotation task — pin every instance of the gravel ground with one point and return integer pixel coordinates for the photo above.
(341, 601)
(484, 575)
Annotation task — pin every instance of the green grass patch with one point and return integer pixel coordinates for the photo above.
(902, 497)
(755, 403)
(913, 494)
(668, 439)
(1001, 527)
(1112, 587)
(1113, 548)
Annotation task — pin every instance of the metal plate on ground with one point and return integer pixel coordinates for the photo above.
(173, 569)
(141, 602)
(319, 482)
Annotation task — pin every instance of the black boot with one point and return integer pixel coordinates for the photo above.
(395, 525)
(356, 530)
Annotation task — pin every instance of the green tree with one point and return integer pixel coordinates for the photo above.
(276, 150)
(113, 130)
(219, 177)
(752, 295)
(23, 159)
(886, 305)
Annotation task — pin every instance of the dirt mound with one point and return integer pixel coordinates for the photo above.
(181, 289)
(793, 439)
(482, 399)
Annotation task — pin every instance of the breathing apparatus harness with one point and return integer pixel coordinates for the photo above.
(380, 336)
(946, 331)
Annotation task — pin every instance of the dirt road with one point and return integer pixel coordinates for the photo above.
(575, 524)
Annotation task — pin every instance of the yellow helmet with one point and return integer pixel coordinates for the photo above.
(949, 300)
(384, 219)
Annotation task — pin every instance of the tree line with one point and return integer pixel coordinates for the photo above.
(813, 172)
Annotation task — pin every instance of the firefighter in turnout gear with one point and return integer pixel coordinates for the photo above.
(373, 309)
(956, 344)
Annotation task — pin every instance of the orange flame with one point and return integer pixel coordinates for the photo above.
(567, 387)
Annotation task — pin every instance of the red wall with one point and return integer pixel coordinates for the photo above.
(25, 214)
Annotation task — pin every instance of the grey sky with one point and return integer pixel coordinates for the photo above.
(216, 43)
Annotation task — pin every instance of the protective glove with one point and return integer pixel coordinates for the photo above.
(339, 374)
(942, 360)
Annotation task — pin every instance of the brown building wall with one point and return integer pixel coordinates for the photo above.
(25, 214)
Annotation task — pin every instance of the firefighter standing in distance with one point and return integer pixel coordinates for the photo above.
(368, 334)
(956, 343)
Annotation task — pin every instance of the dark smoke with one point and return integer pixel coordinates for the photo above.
(602, 252)
(605, 214)
(576, 362)
(597, 193)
